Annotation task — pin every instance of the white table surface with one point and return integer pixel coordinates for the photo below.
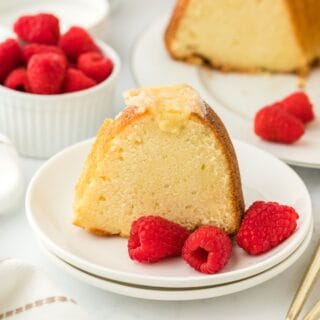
(266, 301)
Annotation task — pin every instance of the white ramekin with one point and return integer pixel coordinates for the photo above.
(91, 15)
(41, 125)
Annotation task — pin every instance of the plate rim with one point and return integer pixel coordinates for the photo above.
(135, 278)
(175, 295)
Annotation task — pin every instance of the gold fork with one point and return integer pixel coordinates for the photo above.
(304, 291)
(314, 313)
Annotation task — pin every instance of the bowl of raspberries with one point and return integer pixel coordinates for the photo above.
(55, 88)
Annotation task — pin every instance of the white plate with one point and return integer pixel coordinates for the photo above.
(234, 96)
(49, 209)
(152, 293)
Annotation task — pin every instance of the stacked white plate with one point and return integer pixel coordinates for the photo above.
(236, 97)
(104, 262)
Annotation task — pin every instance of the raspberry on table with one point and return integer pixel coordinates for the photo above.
(95, 65)
(77, 41)
(10, 57)
(266, 225)
(208, 249)
(274, 124)
(30, 49)
(298, 105)
(153, 238)
(17, 79)
(46, 72)
(76, 80)
(40, 28)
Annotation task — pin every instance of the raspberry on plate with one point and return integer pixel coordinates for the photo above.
(265, 225)
(29, 50)
(95, 65)
(17, 79)
(46, 72)
(77, 41)
(299, 105)
(153, 238)
(274, 124)
(40, 28)
(208, 249)
(10, 57)
(76, 80)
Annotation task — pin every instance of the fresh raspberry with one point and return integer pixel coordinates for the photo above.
(17, 79)
(207, 249)
(95, 65)
(273, 124)
(35, 48)
(299, 105)
(154, 238)
(77, 41)
(76, 80)
(39, 28)
(265, 225)
(10, 57)
(46, 72)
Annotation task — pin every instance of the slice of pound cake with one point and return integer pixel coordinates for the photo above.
(167, 154)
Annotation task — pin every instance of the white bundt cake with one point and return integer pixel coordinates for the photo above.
(246, 35)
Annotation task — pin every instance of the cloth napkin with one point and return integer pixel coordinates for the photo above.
(26, 293)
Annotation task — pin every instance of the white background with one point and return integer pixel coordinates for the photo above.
(267, 301)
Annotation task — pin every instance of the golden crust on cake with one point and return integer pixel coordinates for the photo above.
(166, 154)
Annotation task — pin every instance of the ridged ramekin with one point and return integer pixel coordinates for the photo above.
(91, 15)
(41, 125)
